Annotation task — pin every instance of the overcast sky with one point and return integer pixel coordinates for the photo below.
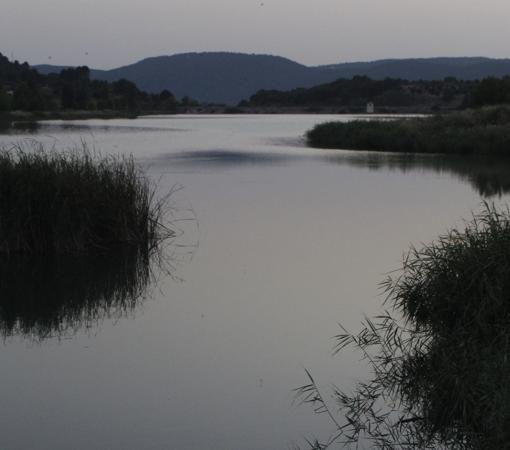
(110, 33)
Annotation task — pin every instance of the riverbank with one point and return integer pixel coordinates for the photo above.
(33, 116)
(479, 131)
(7, 118)
(310, 109)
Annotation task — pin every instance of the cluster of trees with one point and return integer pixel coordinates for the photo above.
(23, 88)
(492, 91)
(359, 90)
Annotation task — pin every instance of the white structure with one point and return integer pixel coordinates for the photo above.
(370, 108)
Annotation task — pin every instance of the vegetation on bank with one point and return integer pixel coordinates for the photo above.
(439, 361)
(354, 94)
(75, 202)
(388, 95)
(478, 131)
(22, 88)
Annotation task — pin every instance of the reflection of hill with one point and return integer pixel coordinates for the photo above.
(490, 176)
(226, 158)
(53, 297)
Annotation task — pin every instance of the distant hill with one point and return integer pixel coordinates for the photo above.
(464, 68)
(212, 77)
(46, 69)
(220, 77)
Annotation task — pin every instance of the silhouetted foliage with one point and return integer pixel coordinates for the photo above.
(439, 361)
(5, 100)
(479, 131)
(75, 202)
(72, 89)
(359, 90)
(492, 91)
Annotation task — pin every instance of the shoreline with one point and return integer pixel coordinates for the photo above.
(476, 131)
(35, 116)
(29, 116)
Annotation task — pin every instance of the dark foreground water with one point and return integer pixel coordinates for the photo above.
(277, 244)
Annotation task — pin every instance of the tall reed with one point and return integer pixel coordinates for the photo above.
(74, 201)
(482, 131)
(439, 359)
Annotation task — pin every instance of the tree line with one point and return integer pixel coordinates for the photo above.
(356, 92)
(24, 88)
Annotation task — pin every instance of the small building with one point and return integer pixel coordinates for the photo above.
(370, 108)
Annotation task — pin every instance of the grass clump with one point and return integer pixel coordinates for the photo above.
(74, 201)
(440, 362)
(480, 131)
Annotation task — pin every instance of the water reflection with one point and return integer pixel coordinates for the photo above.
(34, 128)
(490, 176)
(225, 158)
(58, 295)
(21, 127)
(43, 298)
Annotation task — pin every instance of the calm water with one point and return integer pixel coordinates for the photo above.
(278, 244)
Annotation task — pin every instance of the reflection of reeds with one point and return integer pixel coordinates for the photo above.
(74, 201)
(54, 296)
(490, 176)
(79, 235)
(441, 373)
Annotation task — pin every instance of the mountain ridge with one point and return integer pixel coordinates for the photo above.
(228, 77)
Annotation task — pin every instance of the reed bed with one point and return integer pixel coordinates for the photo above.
(481, 131)
(75, 201)
(439, 357)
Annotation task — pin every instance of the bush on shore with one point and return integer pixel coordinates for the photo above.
(74, 201)
(481, 131)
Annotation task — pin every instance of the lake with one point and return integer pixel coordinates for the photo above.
(277, 244)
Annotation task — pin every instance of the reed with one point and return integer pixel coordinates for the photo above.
(439, 357)
(481, 131)
(75, 201)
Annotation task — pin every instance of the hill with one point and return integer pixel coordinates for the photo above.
(212, 77)
(463, 68)
(219, 77)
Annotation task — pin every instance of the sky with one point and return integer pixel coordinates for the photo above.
(105, 34)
